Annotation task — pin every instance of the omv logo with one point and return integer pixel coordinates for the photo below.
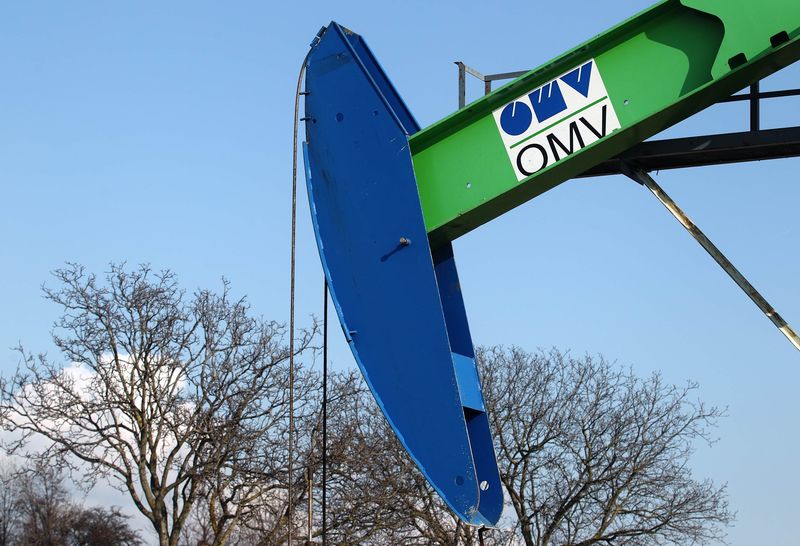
(556, 120)
(547, 102)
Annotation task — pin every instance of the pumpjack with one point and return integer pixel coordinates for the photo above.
(387, 197)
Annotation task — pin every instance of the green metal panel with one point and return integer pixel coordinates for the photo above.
(658, 68)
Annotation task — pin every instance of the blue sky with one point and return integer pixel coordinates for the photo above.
(161, 133)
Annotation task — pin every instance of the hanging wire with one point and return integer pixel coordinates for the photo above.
(310, 522)
(290, 510)
(325, 415)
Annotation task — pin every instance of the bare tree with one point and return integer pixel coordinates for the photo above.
(591, 454)
(44, 507)
(171, 398)
(40, 512)
(375, 494)
(181, 402)
(98, 526)
(9, 516)
(265, 525)
(264, 522)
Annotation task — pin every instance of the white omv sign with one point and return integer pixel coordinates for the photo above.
(563, 116)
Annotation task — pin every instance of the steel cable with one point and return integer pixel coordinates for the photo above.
(290, 509)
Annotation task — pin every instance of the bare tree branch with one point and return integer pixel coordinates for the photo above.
(171, 398)
(592, 454)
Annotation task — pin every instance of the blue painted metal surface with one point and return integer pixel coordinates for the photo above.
(400, 305)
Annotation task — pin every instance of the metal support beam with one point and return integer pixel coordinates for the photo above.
(463, 70)
(765, 95)
(487, 79)
(462, 84)
(702, 151)
(642, 177)
(506, 75)
(755, 107)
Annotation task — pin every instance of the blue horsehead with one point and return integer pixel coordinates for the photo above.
(398, 300)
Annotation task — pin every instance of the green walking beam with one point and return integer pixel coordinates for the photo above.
(593, 103)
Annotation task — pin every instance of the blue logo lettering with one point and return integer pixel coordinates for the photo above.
(579, 79)
(548, 101)
(516, 118)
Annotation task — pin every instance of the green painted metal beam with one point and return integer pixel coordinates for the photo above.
(592, 103)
